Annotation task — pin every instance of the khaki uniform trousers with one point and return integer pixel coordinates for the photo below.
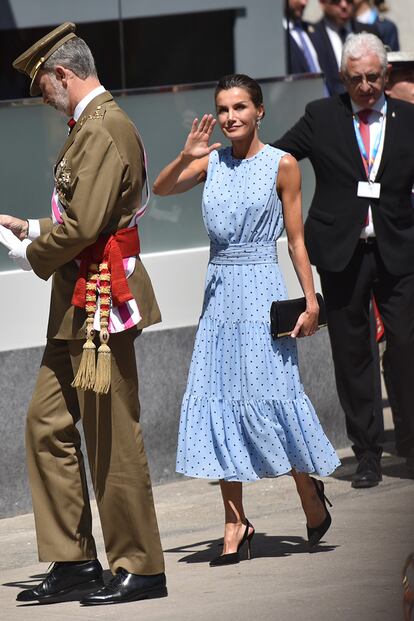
(117, 461)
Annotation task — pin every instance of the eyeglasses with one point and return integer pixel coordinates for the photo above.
(336, 2)
(339, 1)
(370, 78)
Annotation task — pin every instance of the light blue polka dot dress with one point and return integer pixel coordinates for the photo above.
(244, 414)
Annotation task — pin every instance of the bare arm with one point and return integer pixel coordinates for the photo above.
(289, 190)
(190, 167)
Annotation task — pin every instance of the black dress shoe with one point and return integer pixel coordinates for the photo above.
(126, 587)
(368, 472)
(63, 580)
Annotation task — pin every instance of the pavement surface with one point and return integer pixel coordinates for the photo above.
(354, 574)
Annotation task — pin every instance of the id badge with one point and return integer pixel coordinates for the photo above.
(368, 190)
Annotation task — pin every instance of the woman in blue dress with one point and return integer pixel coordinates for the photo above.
(244, 414)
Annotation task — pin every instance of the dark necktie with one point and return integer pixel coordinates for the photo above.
(343, 33)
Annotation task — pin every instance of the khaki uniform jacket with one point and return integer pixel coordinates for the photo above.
(99, 176)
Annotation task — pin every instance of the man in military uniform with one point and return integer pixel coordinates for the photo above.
(401, 79)
(90, 246)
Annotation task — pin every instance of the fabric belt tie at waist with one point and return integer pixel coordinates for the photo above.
(243, 254)
(103, 262)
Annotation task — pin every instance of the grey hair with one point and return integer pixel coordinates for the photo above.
(357, 45)
(74, 55)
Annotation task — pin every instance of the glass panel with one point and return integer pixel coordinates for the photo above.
(180, 59)
(32, 135)
(14, 85)
(166, 49)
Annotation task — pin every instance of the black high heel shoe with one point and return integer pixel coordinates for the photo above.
(234, 557)
(316, 534)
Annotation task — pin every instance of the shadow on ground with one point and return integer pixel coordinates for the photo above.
(263, 546)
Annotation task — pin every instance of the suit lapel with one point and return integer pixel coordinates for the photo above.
(96, 101)
(389, 138)
(323, 46)
(349, 135)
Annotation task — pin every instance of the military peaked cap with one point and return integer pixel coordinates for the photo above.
(32, 59)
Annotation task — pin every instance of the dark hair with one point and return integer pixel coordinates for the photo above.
(239, 80)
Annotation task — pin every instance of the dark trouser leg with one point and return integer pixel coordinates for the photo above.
(347, 295)
(392, 400)
(118, 463)
(55, 462)
(395, 299)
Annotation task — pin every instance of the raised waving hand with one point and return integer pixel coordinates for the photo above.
(190, 167)
(196, 145)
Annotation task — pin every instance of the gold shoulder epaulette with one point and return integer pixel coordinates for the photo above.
(97, 114)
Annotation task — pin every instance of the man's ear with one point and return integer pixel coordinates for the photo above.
(61, 74)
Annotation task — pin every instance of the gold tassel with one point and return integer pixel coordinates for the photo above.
(86, 375)
(103, 367)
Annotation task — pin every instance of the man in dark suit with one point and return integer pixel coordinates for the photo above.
(328, 37)
(360, 235)
(301, 54)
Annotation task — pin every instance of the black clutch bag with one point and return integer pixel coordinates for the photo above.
(285, 313)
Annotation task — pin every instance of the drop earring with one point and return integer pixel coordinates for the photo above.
(258, 122)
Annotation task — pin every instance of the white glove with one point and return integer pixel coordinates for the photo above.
(18, 255)
(17, 248)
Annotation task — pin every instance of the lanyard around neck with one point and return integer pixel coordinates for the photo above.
(374, 152)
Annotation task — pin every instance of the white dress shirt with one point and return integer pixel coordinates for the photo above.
(377, 123)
